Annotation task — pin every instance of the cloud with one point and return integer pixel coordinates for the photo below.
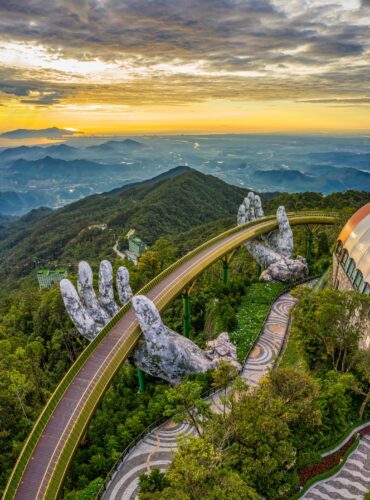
(139, 52)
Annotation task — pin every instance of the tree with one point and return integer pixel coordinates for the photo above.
(186, 399)
(335, 403)
(193, 465)
(329, 325)
(363, 368)
(222, 378)
(261, 446)
(299, 393)
(149, 266)
(165, 252)
(87, 493)
(153, 482)
(197, 473)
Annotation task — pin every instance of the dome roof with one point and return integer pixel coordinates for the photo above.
(355, 238)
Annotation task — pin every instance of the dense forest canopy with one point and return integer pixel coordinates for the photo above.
(173, 214)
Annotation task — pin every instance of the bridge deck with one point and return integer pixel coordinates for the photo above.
(41, 477)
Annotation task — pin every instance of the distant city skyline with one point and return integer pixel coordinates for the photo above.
(185, 66)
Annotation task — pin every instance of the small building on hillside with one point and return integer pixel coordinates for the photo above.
(136, 245)
(351, 259)
(47, 277)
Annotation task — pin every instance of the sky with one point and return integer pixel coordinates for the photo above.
(185, 66)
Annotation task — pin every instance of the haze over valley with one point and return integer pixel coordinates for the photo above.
(61, 172)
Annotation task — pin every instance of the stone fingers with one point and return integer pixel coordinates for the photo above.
(82, 320)
(106, 293)
(241, 215)
(149, 320)
(88, 296)
(258, 207)
(282, 240)
(123, 285)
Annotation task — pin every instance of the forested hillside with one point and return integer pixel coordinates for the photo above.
(172, 213)
(169, 204)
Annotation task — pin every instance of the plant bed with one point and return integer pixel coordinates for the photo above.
(325, 474)
(364, 431)
(253, 311)
(328, 465)
(325, 464)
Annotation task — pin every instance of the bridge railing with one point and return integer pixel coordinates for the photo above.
(46, 413)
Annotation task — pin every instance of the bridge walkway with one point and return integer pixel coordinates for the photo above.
(49, 450)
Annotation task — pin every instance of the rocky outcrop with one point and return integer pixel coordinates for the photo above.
(286, 270)
(274, 251)
(161, 352)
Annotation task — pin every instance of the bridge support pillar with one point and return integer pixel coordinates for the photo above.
(225, 274)
(186, 313)
(141, 377)
(309, 241)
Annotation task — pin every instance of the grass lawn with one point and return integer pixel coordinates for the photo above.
(292, 358)
(251, 315)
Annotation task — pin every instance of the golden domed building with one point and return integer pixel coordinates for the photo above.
(351, 259)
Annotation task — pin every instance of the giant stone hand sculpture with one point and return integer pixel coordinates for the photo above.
(162, 352)
(273, 252)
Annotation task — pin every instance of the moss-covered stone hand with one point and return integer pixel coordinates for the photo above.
(161, 352)
(274, 251)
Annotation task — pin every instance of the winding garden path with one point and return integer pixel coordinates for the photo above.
(155, 450)
(351, 482)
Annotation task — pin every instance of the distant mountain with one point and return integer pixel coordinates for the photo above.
(49, 133)
(61, 151)
(344, 159)
(162, 206)
(48, 168)
(11, 154)
(127, 144)
(324, 179)
(111, 150)
(20, 203)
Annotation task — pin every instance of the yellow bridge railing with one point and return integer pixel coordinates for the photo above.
(74, 434)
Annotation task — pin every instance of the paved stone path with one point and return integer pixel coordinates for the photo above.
(155, 449)
(351, 482)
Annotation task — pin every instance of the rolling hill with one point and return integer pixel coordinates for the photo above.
(167, 205)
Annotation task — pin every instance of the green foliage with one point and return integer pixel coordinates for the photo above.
(153, 482)
(87, 493)
(37, 345)
(124, 413)
(197, 472)
(185, 401)
(293, 356)
(264, 451)
(337, 406)
(252, 313)
(299, 394)
(329, 325)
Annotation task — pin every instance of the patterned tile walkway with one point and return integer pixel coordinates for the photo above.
(352, 482)
(155, 449)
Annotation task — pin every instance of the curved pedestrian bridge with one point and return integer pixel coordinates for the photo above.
(49, 450)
